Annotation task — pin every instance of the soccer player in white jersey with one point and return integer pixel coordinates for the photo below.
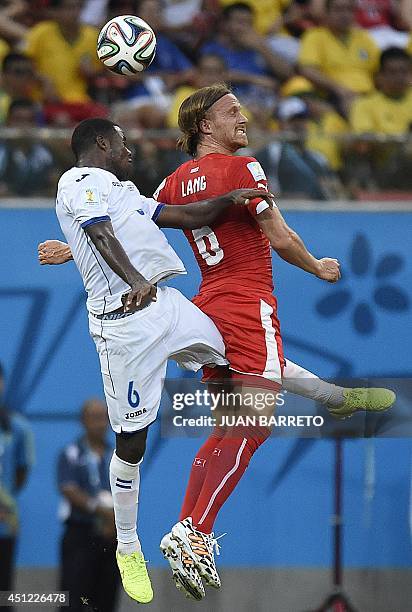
(121, 254)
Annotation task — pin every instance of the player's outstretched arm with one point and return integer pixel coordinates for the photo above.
(53, 252)
(105, 241)
(290, 247)
(198, 214)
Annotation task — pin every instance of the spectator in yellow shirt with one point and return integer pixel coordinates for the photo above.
(339, 58)
(389, 109)
(293, 169)
(64, 50)
(325, 127)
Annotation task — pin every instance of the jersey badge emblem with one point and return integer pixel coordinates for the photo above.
(91, 198)
(256, 171)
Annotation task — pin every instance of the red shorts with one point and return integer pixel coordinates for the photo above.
(251, 332)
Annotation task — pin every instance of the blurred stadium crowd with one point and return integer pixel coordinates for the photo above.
(326, 86)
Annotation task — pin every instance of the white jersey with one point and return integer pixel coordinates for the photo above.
(90, 195)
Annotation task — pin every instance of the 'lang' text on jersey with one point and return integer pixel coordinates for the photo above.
(193, 185)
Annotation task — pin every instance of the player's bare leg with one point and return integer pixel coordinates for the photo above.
(341, 402)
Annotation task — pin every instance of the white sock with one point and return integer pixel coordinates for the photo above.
(124, 483)
(302, 382)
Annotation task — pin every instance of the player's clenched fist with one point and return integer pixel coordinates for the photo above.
(141, 293)
(329, 269)
(53, 252)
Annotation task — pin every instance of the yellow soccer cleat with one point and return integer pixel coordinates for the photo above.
(135, 579)
(370, 399)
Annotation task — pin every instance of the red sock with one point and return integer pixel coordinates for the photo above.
(198, 472)
(226, 466)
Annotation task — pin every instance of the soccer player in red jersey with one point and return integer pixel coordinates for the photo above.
(236, 292)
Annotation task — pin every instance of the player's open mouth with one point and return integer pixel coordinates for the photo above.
(241, 130)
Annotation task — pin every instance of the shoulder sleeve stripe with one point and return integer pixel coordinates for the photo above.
(159, 189)
(95, 220)
(157, 212)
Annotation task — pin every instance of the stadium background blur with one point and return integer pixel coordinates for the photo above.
(344, 182)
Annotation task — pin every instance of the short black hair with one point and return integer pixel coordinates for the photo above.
(86, 132)
(393, 53)
(12, 58)
(237, 6)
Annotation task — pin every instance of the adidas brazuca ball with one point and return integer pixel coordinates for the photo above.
(126, 45)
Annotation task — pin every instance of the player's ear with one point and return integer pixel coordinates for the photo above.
(102, 142)
(204, 126)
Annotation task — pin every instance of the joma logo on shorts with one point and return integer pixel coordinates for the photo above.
(132, 415)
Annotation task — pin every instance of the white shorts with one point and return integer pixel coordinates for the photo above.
(133, 354)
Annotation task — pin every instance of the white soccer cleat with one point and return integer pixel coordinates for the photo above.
(200, 548)
(185, 575)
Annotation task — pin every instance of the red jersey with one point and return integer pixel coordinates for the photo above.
(373, 13)
(233, 250)
(233, 254)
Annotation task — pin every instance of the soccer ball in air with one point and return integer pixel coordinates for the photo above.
(126, 45)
